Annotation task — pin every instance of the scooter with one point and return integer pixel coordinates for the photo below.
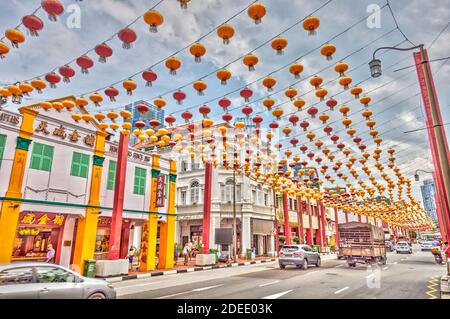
(438, 259)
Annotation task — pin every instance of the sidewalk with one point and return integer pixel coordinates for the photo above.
(190, 267)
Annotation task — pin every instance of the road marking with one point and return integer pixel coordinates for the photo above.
(139, 285)
(384, 268)
(433, 282)
(341, 290)
(278, 295)
(206, 288)
(395, 263)
(269, 283)
(173, 295)
(371, 275)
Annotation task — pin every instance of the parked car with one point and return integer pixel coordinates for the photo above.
(298, 255)
(426, 245)
(47, 281)
(403, 247)
(390, 246)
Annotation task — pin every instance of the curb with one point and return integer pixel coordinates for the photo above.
(179, 271)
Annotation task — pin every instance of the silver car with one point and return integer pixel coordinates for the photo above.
(426, 245)
(298, 255)
(403, 247)
(48, 281)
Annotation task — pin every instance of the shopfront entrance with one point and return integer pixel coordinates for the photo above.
(35, 231)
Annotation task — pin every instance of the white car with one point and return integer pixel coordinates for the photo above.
(426, 245)
(403, 247)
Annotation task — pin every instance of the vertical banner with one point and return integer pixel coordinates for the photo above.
(160, 188)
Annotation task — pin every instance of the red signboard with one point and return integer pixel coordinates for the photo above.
(160, 185)
(43, 219)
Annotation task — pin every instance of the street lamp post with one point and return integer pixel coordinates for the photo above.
(437, 138)
(416, 176)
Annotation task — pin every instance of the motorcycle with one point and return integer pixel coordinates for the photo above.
(436, 251)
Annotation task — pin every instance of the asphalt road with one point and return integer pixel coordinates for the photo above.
(404, 276)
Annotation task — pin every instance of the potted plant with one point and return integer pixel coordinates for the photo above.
(296, 240)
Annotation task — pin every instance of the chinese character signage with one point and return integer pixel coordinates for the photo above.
(160, 187)
(47, 219)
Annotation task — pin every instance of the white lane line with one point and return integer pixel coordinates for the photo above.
(341, 290)
(369, 276)
(395, 263)
(384, 268)
(403, 259)
(206, 288)
(339, 266)
(139, 285)
(173, 295)
(278, 295)
(269, 283)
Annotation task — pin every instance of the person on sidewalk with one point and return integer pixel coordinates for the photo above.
(191, 247)
(175, 253)
(186, 253)
(50, 254)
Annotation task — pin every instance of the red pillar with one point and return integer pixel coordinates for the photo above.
(309, 232)
(119, 190)
(207, 208)
(287, 229)
(124, 248)
(300, 220)
(440, 218)
(336, 229)
(346, 217)
(319, 226)
(323, 223)
(275, 206)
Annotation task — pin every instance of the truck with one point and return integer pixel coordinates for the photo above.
(361, 243)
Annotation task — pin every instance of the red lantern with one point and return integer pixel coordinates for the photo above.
(341, 146)
(273, 125)
(246, 94)
(53, 8)
(204, 110)
(186, 115)
(313, 111)
(247, 110)
(227, 117)
(310, 155)
(304, 125)
(53, 79)
(149, 76)
(328, 129)
(111, 92)
(142, 108)
(139, 124)
(224, 103)
(104, 51)
(303, 148)
(357, 140)
(334, 138)
(362, 147)
(294, 142)
(154, 123)
(67, 72)
(33, 24)
(331, 103)
(85, 63)
(294, 119)
(127, 36)
(179, 96)
(257, 120)
(170, 120)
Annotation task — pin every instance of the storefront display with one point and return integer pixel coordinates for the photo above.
(35, 231)
(102, 239)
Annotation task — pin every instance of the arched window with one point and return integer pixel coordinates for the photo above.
(195, 192)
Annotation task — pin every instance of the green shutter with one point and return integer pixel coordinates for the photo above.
(80, 165)
(139, 181)
(2, 147)
(111, 175)
(42, 157)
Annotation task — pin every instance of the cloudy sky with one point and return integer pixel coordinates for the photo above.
(343, 23)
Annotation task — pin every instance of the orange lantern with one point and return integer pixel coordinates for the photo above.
(58, 106)
(26, 88)
(4, 49)
(269, 82)
(367, 113)
(250, 60)
(159, 102)
(299, 103)
(223, 75)
(47, 106)
(287, 131)
(291, 93)
(68, 104)
(38, 85)
(356, 91)
(256, 11)
(197, 50)
(371, 123)
(130, 86)
(324, 117)
(173, 64)
(344, 109)
(76, 117)
(279, 44)
(96, 98)
(296, 69)
(345, 81)
(316, 81)
(346, 122)
(199, 86)
(351, 131)
(154, 19)
(365, 100)
(321, 93)
(328, 50)
(81, 102)
(268, 103)
(99, 116)
(15, 36)
(311, 24)
(311, 136)
(226, 32)
(340, 68)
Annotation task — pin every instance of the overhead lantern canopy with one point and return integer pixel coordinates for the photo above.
(127, 36)
(256, 11)
(226, 32)
(197, 50)
(15, 36)
(33, 24)
(154, 19)
(54, 8)
(311, 24)
(279, 44)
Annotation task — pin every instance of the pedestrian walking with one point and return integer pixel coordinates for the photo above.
(50, 254)
(191, 246)
(186, 253)
(130, 257)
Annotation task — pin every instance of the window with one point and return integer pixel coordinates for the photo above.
(266, 199)
(229, 190)
(16, 276)
(183, 197)
(184, 165)
(238, 193)
(2, 147)
(139, 180)
(195, 192)
(295, 204)
(290, 203)
(80, 165)
(111, 175)
(42, 157)
(53, 274)
(254, 196)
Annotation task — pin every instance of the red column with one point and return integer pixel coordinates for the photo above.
(124, 248)
(336, 229)
(300, 220)
(287, 229)
(323, 223)
(275, 206)
(119, 190)
(309, 232)
(359, 218)
(440, 218)
(319, 226)
(207, 208)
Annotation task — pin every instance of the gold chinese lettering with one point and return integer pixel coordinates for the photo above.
(60, 131)
(74, 137)
(43, 219)
(43, 128)
(28, 219)
(58, 220)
